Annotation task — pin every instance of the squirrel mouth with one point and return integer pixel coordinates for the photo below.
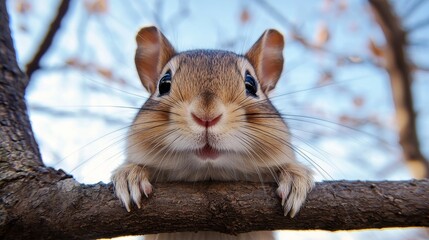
(207, 152)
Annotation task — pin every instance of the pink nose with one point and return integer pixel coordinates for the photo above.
(206, 122)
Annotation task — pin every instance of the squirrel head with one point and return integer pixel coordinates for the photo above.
(209, 102)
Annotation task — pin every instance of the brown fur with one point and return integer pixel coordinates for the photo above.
(251, 138)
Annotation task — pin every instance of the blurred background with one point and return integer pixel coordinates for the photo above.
(351, 116)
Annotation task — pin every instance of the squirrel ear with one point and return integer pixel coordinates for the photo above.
(153, 52)
(266, 56)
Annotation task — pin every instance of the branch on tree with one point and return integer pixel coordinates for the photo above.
(421, 68)
(61, 208)
(34, 64)
(398, 67)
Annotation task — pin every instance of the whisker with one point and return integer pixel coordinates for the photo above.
(117, 89)
(294, 148)
(90, 143)
(117, 141)
(347, 81)
(250, 152)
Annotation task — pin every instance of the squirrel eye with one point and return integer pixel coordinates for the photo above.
(250, 84)
(164, 84)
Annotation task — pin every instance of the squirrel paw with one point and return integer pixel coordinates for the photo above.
(130, 181)
(294, 185)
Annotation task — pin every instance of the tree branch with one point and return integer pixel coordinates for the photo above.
(34, 64)
(398, 67)
(66, 209)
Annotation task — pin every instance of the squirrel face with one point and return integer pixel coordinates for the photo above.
(209, 105)
(208, 88)
(209, 118)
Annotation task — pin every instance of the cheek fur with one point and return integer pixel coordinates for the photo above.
(250, 131)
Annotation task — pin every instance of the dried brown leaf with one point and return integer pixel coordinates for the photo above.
(343, 5)
(322, 35)
(326, 78)
(107, 73)
(244, 16)
(355, 59)
(358, 101)
(344, 119)
(23, 6)
(96, 6)
(73, 62)
(375, 49)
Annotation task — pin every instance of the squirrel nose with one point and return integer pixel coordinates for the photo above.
(206, 122)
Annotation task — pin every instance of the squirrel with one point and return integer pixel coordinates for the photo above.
(209, 117)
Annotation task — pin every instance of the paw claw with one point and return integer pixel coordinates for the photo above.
(293, 189)
(147, 188)
(292, 214)
(130, 180)
(127, 206)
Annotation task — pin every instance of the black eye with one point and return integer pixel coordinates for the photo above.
(164, 84)
(250, 84)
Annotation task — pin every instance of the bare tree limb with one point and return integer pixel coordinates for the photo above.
(34, 63)
(398, 67)
(64, 209)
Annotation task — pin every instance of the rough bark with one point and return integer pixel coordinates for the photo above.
(67, 210)
(398, 66)
(37, 202)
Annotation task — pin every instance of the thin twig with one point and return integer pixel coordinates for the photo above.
(413, 7)
(34, 64)
(60, 113)
(420, 24)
